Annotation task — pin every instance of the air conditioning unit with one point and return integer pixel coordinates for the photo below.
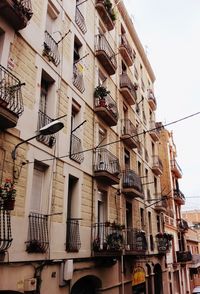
(66, 272)
(30, 284)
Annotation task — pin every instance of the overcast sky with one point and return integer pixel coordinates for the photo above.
(170, 33)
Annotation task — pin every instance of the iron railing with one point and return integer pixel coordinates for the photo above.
(38, 236)
(157, 163)
(125, 82)
(179, 195)
(183, 256)
(80, 21)
(131, 180)
(128, 128)
(106, 161)
(153, 128)
(44, 120)
(151, 96)
(5, 230)
(76, 153)
(163, 243)
(174, 165)
(125, 43)
(78, 80)
(73, 241)
(107, 237)
(135, 241)
(108, 103)
(10, 92)
(182, 225)
(103, 45)
(51, 49)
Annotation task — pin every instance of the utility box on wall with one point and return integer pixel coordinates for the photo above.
(66, 272)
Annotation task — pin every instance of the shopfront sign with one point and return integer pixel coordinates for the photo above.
(138, 276)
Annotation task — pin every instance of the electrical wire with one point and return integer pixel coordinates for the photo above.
(120, 140)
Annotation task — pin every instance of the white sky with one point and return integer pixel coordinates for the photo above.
(171, 31)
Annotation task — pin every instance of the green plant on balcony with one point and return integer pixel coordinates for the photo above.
(7, 195)
(101, 92)
(114, 241)
(110, 10)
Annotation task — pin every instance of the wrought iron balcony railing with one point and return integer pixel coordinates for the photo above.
(154, 131)
(135, 241)
(5, 230)
(179, 197)
(132, 180)
(16, 12)
(106, 108)
(157, 165)
(163, 242)
(129, 133)
(105, 54)
(182, 225)
(80, 21)
(106, 161)
(11, 103)
(106, 12)
(78, 80)
(152, 100)
(44, 120)
(38, 236)
(126, 51)
(76, 153)
(183, 256)
(107, 238)
(128, 89)
(176, 168)
(51, 49)
(73, 241)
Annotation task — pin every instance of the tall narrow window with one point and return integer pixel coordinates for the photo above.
(127, 159)
(101, 207)
(77, 66)
(142, 218)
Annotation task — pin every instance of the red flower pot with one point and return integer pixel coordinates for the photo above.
(9, 204)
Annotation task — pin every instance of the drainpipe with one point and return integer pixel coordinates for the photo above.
(122, 272)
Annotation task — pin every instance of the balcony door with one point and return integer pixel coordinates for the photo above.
(101, 207)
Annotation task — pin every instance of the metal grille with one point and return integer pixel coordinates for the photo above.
(78, 81)
(103, 45)
(80, 21)
(126, 82)
(129, 129)
(76, 149)
(38, 238)
(5, 230)
(131, 180)
(73, 242)
(51, 49)
(10, 92)
(135, 240)
(108, 103)
(43, 120)
(106, 161)
(125, 43)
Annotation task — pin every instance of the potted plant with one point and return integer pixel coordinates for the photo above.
(114, 241)
(101, 92)
(7, 195)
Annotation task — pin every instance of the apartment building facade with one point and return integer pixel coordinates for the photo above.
(86, 201)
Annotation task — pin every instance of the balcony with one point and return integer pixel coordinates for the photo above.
(106, 13)
(43, 120)
(129, 134)
(5, 231)
(78, 80)
(106, 108)
(128, 89)
(152, 100)
(182, 225)
(38, 236)
(76, 151)
(50, 49)
(161, 206)
(175, 168)
(179, 197)
(154, 131)
(105, 54)
(183, 256)
(106, 167)
(73, 241)
(135, 242)
(107, 239)
(11, 103)
(131, 184)
(80, 21)
(17, 13)
(157, 166)
(126, 51)
(163, 242)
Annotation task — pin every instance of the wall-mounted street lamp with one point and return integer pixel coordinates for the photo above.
(51, 128)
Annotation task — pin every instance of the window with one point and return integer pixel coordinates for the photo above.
(101, 78)
(124, 68)
(126, 159)
(129, 217)
(38, 187)
(142, 218)
(2, 38)
(102, 136)
(77, 49)
(158, 223)
(156, 187)
(78, 81)
(139, 169)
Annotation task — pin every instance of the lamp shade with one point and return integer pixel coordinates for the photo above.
(51, 128)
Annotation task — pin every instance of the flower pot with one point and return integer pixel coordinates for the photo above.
(102, 103)
(9, 204)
